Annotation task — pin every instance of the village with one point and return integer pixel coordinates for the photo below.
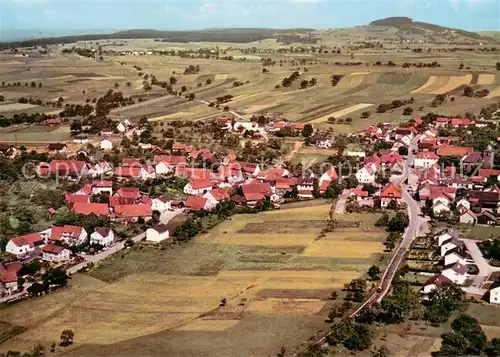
(451, 183)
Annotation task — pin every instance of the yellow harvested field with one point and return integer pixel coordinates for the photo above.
(309, 213)
(430, 82)
(344, 249)
(452, 83)
(486, 79)
(355, 235)
(494, 93)
(341, 113)
(208, 325)
(135, 306)
(260, 239)
(178, 115)
(291, 279)
(221, 76)
(287, 306)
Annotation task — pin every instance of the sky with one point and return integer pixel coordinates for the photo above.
(77, 16)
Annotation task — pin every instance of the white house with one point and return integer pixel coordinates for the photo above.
(441, 204)
(446, 236)
(102, 186)
(367, 173)
(123, 126)
(70, 235)
(163, 168)
(198, 187)
(215, 196)
(455, 256)
(80, 139)
(157, 233)
(456, 273)
(433, 283)
(21, 245)
(103, 236)
(464, 202)
(161, 204)
(55, 253)
(450, 244)
(495, 295)
(8, 277)
(467, 216)
(106, 144)
(425, 159)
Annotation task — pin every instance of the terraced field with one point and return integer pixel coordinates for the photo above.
(278, 280)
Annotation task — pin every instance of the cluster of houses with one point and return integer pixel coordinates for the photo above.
(459, 268)
(455, 258)
(49, 245)
(452, 178)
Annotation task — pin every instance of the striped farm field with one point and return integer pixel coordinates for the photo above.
(341, 113)
(452, 83)
(430, 82)
(345, 249)
(356, 235)
(261, 239)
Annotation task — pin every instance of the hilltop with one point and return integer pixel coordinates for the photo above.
(388, 29)
(406, 26)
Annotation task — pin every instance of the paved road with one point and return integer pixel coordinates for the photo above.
(411, 232)
(485, 270)
(340, 206)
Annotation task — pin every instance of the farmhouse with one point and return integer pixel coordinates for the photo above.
(22, 245)
(70, 235)
(103, 236)
(157, 233)
(8, 277)
(390, 193)
(55, 253)
(198, 187)
(197, 203)
(131, 212)
(161, 204)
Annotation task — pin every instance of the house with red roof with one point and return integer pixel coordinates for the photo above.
(360, 194)
(73, 198)
(99, 209)
(250, 169)
(55, 253)
(198, 187)
(454, 151)
(433, 283)
(8, 277)
(128, 192)
(128, 213)
(198, 203)
(69, 168)
(256, 192)
(389, 193)
(366, 174)
(461, 122)
(216, 195)
(68, 234)
(425, 159)
(130, 172)
(22, 245)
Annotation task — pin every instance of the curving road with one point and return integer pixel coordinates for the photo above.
(411, 232)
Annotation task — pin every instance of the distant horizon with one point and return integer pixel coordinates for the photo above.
(88, 16)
